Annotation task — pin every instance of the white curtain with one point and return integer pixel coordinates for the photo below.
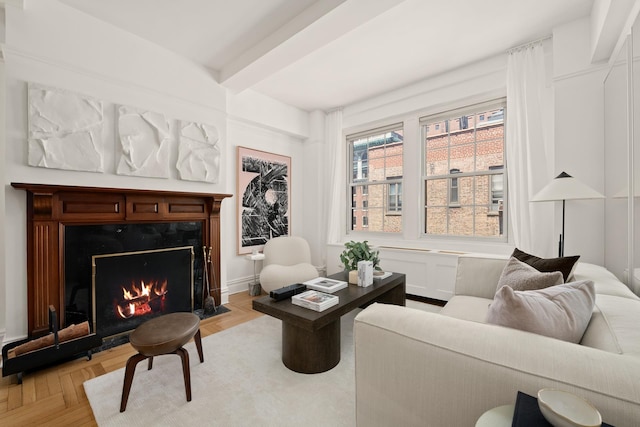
(530, 149)
(334, 212)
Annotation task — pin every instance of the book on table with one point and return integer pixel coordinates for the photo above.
(315, 300)
(324, 284)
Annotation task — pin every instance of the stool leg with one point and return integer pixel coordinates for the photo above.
(184, 355)
(198, 339)
(150, 363)
(128, 378)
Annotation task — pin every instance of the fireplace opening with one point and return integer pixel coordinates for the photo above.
(132, 287)
(121, 246)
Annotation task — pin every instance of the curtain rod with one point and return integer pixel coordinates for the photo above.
(529, 44)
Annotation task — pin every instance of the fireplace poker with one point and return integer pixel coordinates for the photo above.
(208, 304)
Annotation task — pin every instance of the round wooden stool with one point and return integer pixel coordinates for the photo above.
(163, 335)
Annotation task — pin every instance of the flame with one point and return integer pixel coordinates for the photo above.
(135, 300)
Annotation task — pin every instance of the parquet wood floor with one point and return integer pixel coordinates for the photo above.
(55, 396)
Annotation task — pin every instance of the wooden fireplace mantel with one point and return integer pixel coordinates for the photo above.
(52, 207)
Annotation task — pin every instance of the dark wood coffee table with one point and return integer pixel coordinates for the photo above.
(311, 339)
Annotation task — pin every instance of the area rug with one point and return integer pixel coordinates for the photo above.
(242, 382)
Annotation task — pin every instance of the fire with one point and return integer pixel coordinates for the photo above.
(136, 300)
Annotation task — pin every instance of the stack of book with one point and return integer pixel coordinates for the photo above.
(314, 300)
(323, 284)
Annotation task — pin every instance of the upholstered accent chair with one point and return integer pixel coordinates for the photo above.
(287, 260)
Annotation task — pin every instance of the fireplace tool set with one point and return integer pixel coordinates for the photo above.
(208, 302)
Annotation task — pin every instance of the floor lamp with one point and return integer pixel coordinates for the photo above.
(565, 187)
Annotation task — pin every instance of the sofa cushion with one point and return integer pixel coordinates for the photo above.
(614, 326)
(478, 275)
(467, 308)
(600, 333)
(606, 282)
(561, 311)
(523, 277)
(563, 264)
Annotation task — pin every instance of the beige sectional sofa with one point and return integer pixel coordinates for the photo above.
(418, 368)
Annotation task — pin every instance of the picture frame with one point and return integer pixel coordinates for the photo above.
(263, 198)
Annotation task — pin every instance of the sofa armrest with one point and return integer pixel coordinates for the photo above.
(419, 368)
(477, 276)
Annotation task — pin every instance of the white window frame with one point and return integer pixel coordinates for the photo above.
(364, 184)
(458, 112)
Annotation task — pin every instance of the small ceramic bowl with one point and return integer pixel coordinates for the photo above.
(563, 409)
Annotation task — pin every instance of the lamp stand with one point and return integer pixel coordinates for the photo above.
(561, 241)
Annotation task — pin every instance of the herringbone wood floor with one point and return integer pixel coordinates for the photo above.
(55, 396)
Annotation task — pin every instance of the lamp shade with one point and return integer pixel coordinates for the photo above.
(565, 187)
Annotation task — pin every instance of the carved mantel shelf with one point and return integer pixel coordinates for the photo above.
(50, 208)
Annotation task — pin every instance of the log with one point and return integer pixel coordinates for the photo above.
(66, 334)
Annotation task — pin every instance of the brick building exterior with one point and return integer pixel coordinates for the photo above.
(465, 151)
(466, 205)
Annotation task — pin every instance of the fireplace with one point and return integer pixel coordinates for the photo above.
(69, 228)
(98, 258)
(130, 288)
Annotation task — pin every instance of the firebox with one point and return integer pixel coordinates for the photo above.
(129, 288)
(137, 257)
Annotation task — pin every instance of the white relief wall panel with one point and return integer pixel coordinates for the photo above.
(65, 130)
(198, 152)
(145, 138)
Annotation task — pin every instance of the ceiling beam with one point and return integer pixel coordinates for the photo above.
(315, 27)
(16, 3)
(608, 18)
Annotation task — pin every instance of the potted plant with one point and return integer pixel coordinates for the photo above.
(358, 251)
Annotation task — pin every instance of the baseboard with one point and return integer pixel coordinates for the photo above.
(238, 285)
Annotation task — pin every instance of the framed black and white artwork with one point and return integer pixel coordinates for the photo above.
(263, 198)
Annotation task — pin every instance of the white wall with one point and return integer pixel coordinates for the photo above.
(247, 135)
(579, 137)
(51, 44)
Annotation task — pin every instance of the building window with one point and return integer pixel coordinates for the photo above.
(376, 161)
(464, 172)
(497, 189)
(395, 197)
(453, 189)
(394, 194)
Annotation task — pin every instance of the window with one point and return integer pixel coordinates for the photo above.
(497, 189)
(376, 179)
(394, 204)
(464, 172)
(453, 189)
(395, 197)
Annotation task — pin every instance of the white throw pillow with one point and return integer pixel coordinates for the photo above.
(561, 311)
(523, 277)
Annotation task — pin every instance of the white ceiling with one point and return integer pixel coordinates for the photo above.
(322, 54)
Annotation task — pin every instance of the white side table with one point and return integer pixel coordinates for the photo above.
(497, 417)
(255, 289)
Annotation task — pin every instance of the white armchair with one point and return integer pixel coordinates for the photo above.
(287, 260)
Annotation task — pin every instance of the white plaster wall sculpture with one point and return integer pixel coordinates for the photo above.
(198, 152)
(65, 130)
(144, 138)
